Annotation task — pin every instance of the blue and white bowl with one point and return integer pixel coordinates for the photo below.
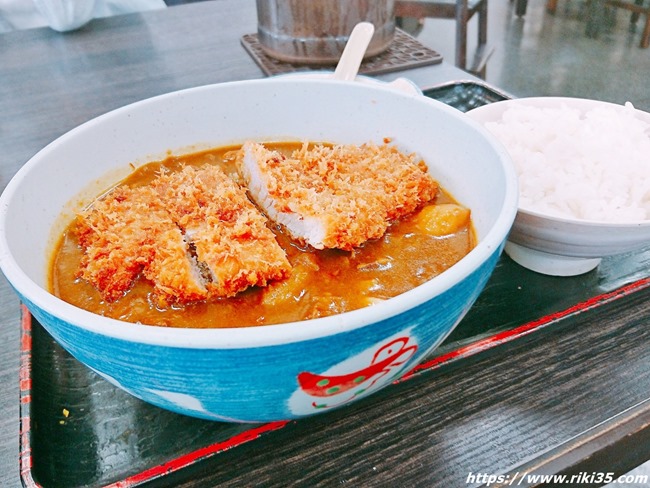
(274, 372)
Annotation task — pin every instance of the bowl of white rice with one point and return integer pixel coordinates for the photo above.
(584, 179)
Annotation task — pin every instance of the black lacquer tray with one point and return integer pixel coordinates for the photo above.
(79, 430)
(466, 95)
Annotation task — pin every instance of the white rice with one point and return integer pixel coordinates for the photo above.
(593, 166)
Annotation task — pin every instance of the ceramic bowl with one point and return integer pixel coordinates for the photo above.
(558, 245)
(257, 374)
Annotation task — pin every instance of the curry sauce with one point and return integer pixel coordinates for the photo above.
(323, 282)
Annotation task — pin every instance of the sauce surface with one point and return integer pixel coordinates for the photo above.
(322, 282)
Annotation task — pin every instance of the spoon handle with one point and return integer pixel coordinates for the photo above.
(348, 66)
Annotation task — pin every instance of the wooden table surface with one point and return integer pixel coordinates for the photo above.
(544, 375)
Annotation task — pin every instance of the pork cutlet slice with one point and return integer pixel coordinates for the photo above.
(193, 234)
(229, 236)
(129, 232)
(336, 196)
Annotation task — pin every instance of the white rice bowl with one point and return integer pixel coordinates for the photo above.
(584, 179)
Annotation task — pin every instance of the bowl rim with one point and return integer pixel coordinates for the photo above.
(266, 335)
(477, 114)
(583, 222)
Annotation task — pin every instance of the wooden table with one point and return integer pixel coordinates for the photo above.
(543, 375)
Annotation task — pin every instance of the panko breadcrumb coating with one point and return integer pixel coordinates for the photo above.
(336, 196)
(228, 233)
(194, 234)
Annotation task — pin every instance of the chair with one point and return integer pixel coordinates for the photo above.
(637, 8)
(521, 7)
(462, 11)
(596, 13)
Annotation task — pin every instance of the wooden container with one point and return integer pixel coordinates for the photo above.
(316, 31)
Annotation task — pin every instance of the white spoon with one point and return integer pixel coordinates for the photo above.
(352, 56)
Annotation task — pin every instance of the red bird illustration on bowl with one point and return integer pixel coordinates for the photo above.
(337, 386)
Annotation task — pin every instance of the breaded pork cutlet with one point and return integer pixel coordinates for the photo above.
(228, 234)
(193, 234)
(129, 232)
(336, 196)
